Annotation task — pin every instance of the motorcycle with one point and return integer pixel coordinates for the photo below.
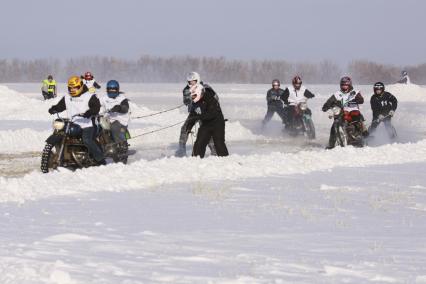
(65, 147)
(347, 132)
(301, 121)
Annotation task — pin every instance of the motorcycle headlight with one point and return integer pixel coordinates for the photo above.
(58, 124)
(303, 106)
(336, 110)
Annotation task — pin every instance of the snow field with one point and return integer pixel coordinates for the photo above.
(278, 210)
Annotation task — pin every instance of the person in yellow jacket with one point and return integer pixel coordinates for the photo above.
(48, 88)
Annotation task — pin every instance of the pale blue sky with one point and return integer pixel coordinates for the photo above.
(387, 31)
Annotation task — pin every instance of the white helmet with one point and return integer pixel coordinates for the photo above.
(193, 76)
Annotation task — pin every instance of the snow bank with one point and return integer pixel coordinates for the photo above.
(408, 93)
(22, 140)
(20, 107)
(144, 174)
(29, 140)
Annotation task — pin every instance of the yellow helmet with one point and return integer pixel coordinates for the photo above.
(75, 86)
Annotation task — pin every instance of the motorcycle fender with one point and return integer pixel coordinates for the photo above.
(54, 139)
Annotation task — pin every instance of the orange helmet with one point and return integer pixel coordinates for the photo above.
(75, 86)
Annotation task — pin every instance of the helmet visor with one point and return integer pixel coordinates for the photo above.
(378, 90)
(345, 87)
(74, 90)
(112, 90)
(192, 83)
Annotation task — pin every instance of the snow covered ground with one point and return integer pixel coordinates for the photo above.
(278, 210)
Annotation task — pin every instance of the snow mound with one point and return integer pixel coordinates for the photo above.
(20, 107)
(29, 140)
(22, 140)
(151, 174)
(408, 93)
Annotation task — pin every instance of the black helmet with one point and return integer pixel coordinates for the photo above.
(50, 77)
(276, 82)
(379, 86)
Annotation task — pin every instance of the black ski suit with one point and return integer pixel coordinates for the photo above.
(208, 110)
(190, 122)
(275, 105)
(381, 105)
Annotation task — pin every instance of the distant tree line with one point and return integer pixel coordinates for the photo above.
(150, 69)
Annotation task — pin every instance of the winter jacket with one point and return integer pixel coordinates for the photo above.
(88, 110)
(208, 109)
(348, 101)
(383, 104)
(274, 97)
(292, 96)
(117, 107)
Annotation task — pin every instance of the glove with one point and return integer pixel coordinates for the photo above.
(87, 114)
(193, 118)
(52, 110)
(381, 116)
(391, 113)
(116, 108)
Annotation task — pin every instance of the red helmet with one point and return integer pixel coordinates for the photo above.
(88, 76)
(346, 84)
(297, 81)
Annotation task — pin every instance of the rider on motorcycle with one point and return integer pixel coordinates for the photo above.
(82, 107)
(383, 104)
(349, 100)
(117, 106)
(294, 95)
(89, 81)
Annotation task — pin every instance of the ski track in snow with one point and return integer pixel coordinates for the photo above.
(278, 210)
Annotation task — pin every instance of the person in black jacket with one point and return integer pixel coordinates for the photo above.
(383, 104)
(206, 108)
(275, 104)
(190, 121)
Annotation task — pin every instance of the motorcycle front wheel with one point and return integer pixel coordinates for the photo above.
(48, 158)
(341, 137)
(310, 129)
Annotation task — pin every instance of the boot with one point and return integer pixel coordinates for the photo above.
(181, 151)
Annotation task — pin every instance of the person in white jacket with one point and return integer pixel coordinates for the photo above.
(117, 106)
(90, 82)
